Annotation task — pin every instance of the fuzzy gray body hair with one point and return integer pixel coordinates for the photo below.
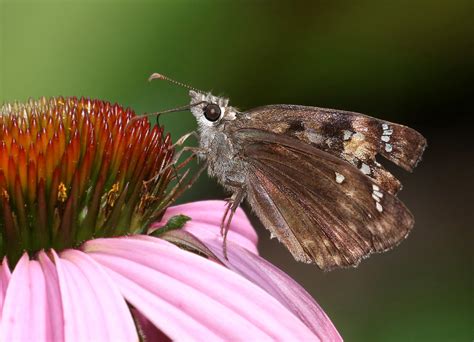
(217, 148)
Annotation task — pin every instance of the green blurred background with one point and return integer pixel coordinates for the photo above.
(405, 61)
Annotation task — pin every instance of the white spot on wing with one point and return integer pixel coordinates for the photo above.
(378, 193)
(377, 196)
(347, 134)
(358, 136)
(365, 169)
(339, 178)
(386, 134)
(314, 137)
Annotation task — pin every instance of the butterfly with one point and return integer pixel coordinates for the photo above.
(310, 174)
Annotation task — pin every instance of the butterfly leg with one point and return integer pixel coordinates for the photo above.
(181, 187)
(226, 212)
(185, 137)
(236, 188)
(195, 151)
(232, 205)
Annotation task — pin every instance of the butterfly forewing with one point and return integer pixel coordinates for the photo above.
(354, 137)
(321, 207)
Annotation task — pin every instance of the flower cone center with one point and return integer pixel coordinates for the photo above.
(74, 169)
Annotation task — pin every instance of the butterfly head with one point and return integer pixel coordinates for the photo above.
(209, 110)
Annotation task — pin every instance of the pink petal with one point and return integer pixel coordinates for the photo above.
(279, 285)
(93, 307)
(55, 322)
(24, 312)
(206, 217)
(190, 297)
(4, 280)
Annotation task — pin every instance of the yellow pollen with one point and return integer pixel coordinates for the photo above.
(62, 192)
(113, 194)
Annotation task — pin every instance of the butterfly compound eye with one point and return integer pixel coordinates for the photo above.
(212, 112)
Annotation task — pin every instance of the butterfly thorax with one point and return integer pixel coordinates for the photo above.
(223, 162)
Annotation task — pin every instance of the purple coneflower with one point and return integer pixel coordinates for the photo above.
(81, 258)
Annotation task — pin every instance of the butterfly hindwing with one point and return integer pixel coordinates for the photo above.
(321, 207)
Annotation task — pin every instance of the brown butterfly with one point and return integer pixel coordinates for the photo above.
(310, 174)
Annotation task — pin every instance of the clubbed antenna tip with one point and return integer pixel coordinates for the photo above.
(157, 76)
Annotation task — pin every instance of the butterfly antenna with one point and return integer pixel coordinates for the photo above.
(157, 114)
(157, 76)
